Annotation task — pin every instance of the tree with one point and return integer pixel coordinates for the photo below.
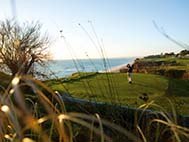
(184, 52)
(22, 46)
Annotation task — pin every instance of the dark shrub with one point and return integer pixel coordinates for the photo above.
(175, 73)
(161, 71)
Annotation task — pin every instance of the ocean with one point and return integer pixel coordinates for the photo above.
(64, 68)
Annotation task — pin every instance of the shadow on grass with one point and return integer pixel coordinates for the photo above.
(178, 87)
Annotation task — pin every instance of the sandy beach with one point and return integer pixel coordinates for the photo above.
(118, 68)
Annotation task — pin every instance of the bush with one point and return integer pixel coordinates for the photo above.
(173, 73)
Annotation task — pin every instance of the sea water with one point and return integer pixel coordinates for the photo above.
(64, 68)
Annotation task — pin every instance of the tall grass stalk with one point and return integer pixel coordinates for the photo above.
(165, 122)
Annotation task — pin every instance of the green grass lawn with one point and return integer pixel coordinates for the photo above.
(114, 88)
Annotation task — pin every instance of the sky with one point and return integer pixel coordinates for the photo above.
(116, 28)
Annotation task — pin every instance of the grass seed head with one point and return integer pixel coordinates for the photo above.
(5, 108)
(15, 81)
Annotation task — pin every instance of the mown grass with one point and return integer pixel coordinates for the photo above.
(178, 59)
(114, 88)
(96, 87)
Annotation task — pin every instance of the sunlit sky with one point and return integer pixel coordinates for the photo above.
(124, 27)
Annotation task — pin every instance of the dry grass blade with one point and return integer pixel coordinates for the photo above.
(124, 131)
(142, 134)
(101, 127)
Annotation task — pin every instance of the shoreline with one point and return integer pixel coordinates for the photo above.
(117, 68)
